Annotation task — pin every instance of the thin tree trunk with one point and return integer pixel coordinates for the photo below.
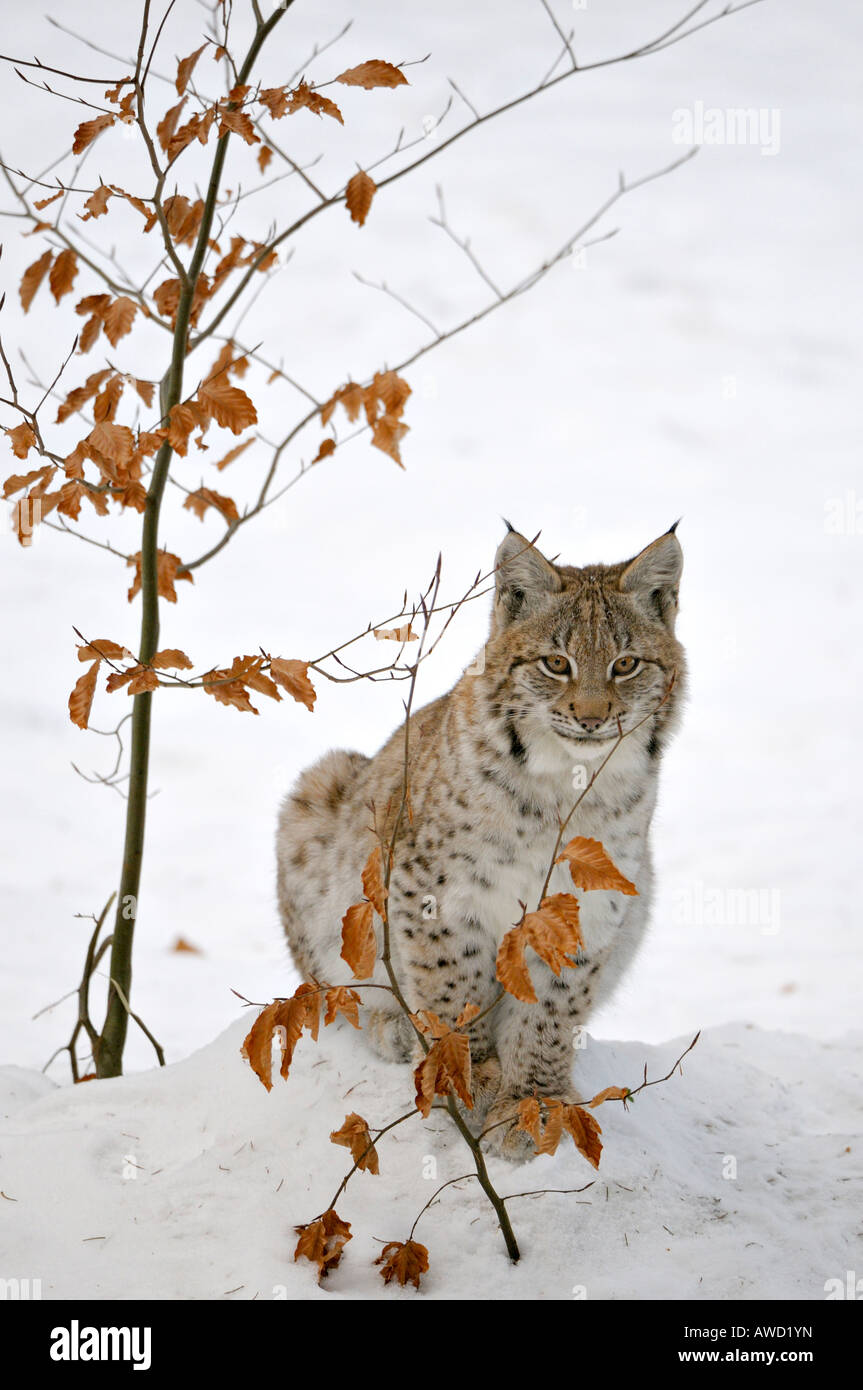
(108, 1052)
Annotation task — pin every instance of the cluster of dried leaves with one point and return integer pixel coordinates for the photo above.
(444, 1069)
(230, 686)
(109, 465)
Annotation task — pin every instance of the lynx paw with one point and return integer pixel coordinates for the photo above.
(391, 1036)
(502, 1139)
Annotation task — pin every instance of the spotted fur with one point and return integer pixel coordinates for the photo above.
(492, 771)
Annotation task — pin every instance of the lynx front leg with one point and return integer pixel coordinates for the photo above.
(536, 1047)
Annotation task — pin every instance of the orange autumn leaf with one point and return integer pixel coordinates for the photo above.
(227, 691)
(359, 943)
(554, 934)
(396, 634)
(103, 649)
(354, 1135)
(81, 699)
(16, 481)
(105, 404)
(326, 447)
(281, 1022)
(373, 882)
(167, 567)
(429, 1023)
(185, 67)
(305, 96)
(117, 680)
(41, 203)
(351, 396)
(511, 969)
(88, 130)
(80, 395)
(168, 124)
(118, 318)
(183, 947)
(293, 677)
(387, 434)
(234, 453)
(446, 1065)
(276, 101)
(171, 657)
(610, 1093)
(133, 495)
(229, 406)
(115, 443)
(591, 867)
(22, 438)
(33, 277)
(545, 1128)
(323, 1242)
(340, 999)
(238, 123)
(375, 73)
(392, 391)
(265, 154)
(467, 1015)
(97, 203)
(140, 680)
(199, 502)
(358, 196)
(183, 419)
(248, 669)
(584, 1131)
(403, 1261)
(546, 1120)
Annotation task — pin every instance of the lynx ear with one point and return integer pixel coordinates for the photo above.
(652, 578)
(524, 579)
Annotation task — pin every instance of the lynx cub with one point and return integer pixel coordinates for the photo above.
(494, 765)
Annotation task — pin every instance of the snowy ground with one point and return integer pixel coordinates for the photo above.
(188, 1182)
(699, 364)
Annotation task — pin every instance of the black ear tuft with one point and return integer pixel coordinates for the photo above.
(508, 524)
(671, 530)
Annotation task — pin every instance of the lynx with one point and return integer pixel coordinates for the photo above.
(575, 656)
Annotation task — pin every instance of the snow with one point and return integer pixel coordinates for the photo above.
(188, 1182)
(699, 364)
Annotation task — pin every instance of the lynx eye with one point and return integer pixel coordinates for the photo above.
(625, 666)
(556, 665)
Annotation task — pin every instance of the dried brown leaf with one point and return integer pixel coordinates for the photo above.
(355, 1135)
(403, 1261)
(33, 277)
(62, 274)
(81, 699)
(375, 73)
(88, 130)
(293, 676)
(358, 197)
(591, 867)
(359, 943)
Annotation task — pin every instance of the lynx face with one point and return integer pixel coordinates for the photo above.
(582, 653)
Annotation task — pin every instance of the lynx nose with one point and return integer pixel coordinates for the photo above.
(589, 725)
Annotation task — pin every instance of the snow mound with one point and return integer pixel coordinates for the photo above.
(186, 1182)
